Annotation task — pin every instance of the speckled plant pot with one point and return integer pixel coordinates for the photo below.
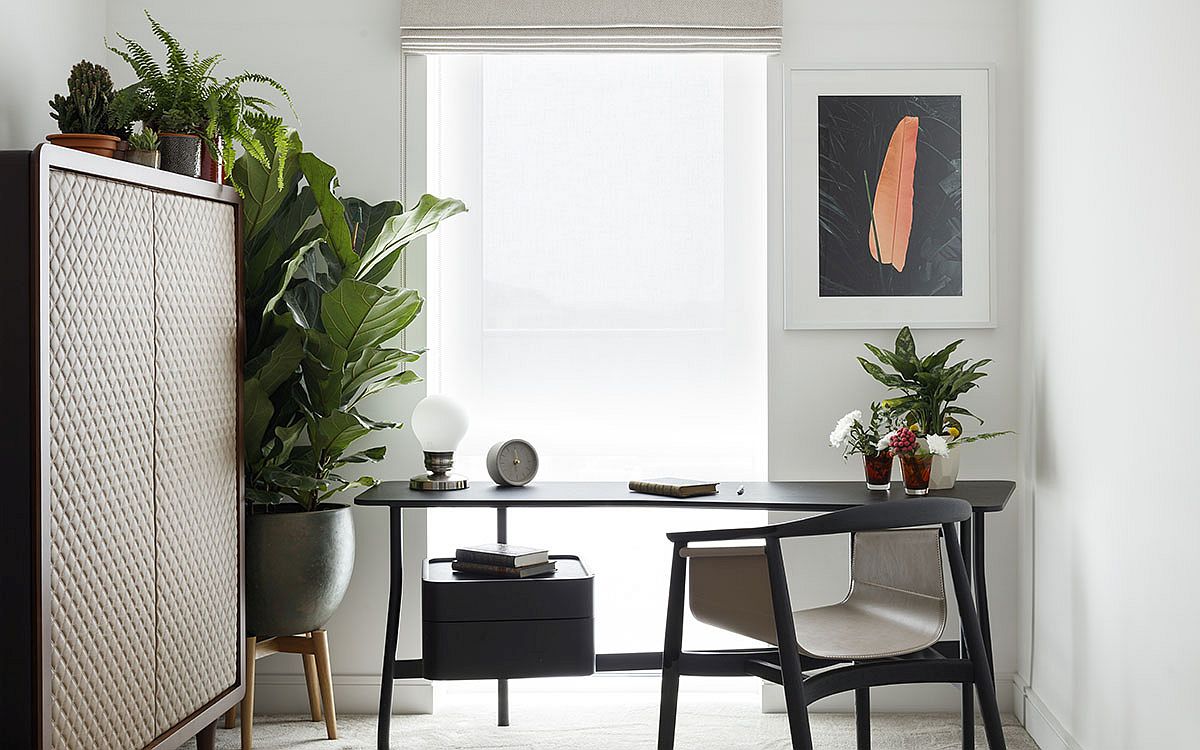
(298, 566)
(180, 153)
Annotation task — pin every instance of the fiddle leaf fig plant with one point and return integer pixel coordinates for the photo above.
(320, 321)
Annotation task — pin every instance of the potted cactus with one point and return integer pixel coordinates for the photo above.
(143, 148)
(85, 115)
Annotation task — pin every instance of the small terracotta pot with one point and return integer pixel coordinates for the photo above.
(211, 168)
(916, 472)
(93, 143)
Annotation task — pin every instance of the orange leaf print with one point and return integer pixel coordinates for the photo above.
(893, 205)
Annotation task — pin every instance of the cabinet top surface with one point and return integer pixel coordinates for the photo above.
(47, 157)
(984, 495)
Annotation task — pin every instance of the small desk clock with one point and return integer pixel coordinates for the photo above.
(512, 463)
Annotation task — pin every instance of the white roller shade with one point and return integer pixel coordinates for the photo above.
(592, 25)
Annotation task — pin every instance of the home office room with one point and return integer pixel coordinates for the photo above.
(530, 374)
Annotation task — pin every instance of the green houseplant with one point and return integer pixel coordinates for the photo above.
(320, 318)
(143, 148)
(86, 116)
(197, 113)
(930, 388)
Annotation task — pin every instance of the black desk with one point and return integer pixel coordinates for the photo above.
(799, 497)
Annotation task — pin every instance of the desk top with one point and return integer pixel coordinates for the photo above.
(984, 495)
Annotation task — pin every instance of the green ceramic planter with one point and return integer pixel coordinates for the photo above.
(298, 566)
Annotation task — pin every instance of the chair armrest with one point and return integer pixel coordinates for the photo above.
(878, 516)
(743, 551)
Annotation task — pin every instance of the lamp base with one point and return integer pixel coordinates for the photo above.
(437, 482)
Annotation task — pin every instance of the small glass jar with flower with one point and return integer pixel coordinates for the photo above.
(854, 437)
(916, 456)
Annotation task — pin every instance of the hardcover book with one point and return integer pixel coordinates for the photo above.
(504, 555)
(673, 487)
(504, 571)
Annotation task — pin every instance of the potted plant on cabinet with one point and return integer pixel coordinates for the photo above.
(199, 117)
(143, 148)
(930, 388)
(319, 320)
(86, 115)
(869, 441)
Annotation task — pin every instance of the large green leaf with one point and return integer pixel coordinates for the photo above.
(401, 378)
(323, 368)
(358, 315)
(374, 363)
(366, 221)
(289, 272)
(322, 178)
(379, 258)
(333, 434)
(262, 195)
(277, 364)
(256, 415)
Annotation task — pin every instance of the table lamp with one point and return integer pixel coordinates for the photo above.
(439, 422)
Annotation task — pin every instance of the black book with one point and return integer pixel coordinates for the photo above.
(503, 555)
(502, 571)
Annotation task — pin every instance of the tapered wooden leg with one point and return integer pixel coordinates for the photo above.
(231, 717)
(321, 646)
(789, 652)
(248, 700)
(207, 738)
(310, 680)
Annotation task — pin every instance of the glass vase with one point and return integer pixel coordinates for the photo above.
(878, 469)
(916, 470)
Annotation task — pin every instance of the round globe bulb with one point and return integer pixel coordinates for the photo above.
(439, 422)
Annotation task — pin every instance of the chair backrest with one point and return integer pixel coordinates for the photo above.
(908, 560)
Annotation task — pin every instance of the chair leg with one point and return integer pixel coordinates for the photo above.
(310, 681)
(231, 717)
(968, 716)
(321, 646)
(985, 685)
(862, 717)
(207, 738)
(789, 652)
(672, 647)
(248, 701)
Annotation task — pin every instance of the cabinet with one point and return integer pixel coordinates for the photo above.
(123, 571)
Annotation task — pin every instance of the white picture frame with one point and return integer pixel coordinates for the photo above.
(808, 301)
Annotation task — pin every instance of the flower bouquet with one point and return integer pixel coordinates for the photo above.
(854, 437)
(916, 456)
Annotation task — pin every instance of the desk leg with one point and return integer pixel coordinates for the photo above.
(968, 689)
(981, 598)
(395, 589)
(502, 685)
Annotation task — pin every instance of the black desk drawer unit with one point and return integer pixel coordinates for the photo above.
(479, 628)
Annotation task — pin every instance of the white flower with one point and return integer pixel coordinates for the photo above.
(885, 442)
(937, 445)
(842, 429)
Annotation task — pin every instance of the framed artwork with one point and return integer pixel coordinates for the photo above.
(888, 199)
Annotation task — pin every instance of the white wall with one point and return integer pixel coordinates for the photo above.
(814, 378)
(1111, 279)
(342, 66)
(38, 46)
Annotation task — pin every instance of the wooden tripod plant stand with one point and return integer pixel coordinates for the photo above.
(314, 648)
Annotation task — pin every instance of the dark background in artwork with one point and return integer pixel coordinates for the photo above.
(854, 132)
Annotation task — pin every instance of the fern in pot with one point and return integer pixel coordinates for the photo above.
(930, 387)
(320, 322)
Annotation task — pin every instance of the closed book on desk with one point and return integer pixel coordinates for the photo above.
(505, 555)
(503, 571)
(673, 487)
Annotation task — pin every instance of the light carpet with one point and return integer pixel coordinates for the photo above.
(723, 725)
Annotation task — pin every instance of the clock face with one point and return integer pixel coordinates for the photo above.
(512, 462)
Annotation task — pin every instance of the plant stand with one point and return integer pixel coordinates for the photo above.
(314, 648)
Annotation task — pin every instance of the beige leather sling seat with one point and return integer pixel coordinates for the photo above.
(896, 604)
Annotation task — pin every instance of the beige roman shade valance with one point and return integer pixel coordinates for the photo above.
(430, 26)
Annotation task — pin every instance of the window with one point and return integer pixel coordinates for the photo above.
(604, 298)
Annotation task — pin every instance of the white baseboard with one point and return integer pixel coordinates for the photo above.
(352, 694)
(896, 698)
(1041, 723)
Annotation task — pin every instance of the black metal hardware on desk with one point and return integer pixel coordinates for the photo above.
(801, 497)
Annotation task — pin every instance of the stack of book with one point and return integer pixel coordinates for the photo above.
(503, 561)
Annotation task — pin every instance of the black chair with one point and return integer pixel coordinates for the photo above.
(883, 633)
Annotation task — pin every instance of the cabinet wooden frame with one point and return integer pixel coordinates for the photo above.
(25, 439)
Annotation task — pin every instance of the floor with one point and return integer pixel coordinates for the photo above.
(705, 722)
